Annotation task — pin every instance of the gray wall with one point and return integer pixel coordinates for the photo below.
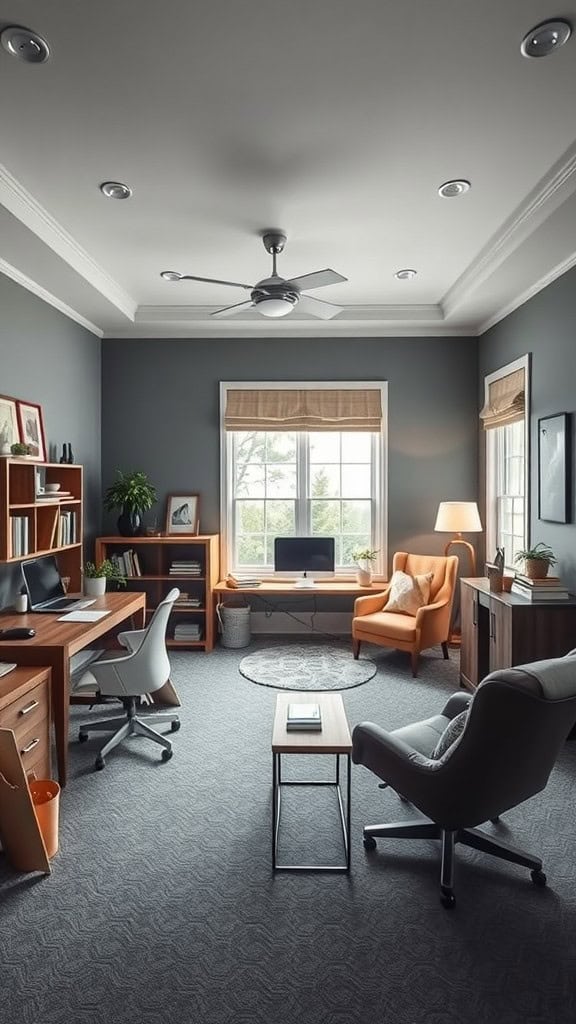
(545, 327)
(47, 358)
(162, 416)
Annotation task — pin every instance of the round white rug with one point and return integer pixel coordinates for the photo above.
(307, 667)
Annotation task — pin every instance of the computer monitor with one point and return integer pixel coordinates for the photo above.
(305, 555)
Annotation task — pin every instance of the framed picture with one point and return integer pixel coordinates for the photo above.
(9, 428)
(553, 468)
(182, 513)
(32, 429)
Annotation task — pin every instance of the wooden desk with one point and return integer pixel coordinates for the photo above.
(286, 588)
(55, 643)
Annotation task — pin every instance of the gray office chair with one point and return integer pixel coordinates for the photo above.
(144, 669)
(518, 720)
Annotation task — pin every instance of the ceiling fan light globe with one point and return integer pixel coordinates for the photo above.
(274, 307)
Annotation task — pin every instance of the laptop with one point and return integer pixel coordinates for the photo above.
(45, 588)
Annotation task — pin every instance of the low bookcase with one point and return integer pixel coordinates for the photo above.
(154, 565)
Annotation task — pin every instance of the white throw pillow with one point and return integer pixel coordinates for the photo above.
(408, 593)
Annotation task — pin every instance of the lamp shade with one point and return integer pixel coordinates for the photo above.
(458, 517)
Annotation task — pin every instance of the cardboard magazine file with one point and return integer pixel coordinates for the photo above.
(20, 830)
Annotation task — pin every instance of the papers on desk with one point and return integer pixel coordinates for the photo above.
(82, 616)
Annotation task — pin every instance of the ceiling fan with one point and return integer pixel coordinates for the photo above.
(275, 296)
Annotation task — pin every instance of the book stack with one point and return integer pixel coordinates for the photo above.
(236, 582)
(65, 529)
(187, 601)
(53, 496)
(549, 589)
(185, 568)
(20, 540)
(189, 631)
(303, 717)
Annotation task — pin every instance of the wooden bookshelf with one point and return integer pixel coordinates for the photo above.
(155, 556)
(18, 498)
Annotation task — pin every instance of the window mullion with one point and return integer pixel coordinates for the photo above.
(302, 477)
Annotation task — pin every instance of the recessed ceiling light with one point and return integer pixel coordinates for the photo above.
(170, 275)
(26, 45)
(115, 190)
(451, 189)
(405, 275)
(546, 38)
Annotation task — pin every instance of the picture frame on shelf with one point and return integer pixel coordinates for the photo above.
(31, 423)
(9, 424)
(182, 514)
(554, 468)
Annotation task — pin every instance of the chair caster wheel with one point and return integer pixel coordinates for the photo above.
(175, 725)
(99, 764)
(538, 877)
(82, 737)
(167, 754)
(369, 843)
(448, 900)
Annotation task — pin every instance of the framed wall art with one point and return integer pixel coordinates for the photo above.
(9, 427)
(32, 429)
(182, 514)
(554, 497)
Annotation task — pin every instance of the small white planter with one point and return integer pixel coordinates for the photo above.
(363, 577)
(95, 587)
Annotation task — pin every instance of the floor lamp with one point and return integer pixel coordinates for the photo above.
(459, 517)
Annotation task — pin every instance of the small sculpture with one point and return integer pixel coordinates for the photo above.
(499, 560)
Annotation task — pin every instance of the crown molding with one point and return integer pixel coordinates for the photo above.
(351, 314)
(22, 205)
(529, 293)
(548, 195)
(32, 286)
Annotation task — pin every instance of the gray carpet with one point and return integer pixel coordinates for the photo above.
(305, 665)
(162, 907)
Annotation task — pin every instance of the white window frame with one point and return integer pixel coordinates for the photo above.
(379, 463)
(523, 363)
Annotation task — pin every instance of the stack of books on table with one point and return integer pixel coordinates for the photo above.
(190, 631)
(303, 717)
(549, 589)
(236, 582)
(186, 568)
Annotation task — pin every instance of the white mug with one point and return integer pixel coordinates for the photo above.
(21, 603)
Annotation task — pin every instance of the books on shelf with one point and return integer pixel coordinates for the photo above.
(185, 568)
(187, 631)
(187, 601)
(127, 563)
(66, 530)
(303, 716)
(20, 540)
(236, 581)
(550, 588)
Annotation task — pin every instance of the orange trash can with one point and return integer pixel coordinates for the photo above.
(45, 795)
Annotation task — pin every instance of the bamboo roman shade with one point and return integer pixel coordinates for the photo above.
(506, 400)
(315, 410)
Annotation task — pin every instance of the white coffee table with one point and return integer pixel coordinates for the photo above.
(334, 738)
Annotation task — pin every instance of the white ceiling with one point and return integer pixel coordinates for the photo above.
(333, 121)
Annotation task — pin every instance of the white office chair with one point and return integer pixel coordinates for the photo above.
(144, 669)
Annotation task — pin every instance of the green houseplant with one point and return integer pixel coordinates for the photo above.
(20, 449)
(537, 560)
(133, 494)
(97, 576)
(364, 558)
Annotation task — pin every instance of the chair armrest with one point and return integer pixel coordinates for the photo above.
(423, 612)
(456, 703)
(381, 751)
(371, 603)
(131, 639)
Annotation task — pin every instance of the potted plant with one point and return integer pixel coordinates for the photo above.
(364, 558)
(537, 561)
(20, 450)
(133, 494)
(97, 576)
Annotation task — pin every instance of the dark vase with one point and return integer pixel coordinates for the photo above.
(129, 524)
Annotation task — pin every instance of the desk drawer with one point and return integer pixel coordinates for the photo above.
(27, 711)
(33, 744)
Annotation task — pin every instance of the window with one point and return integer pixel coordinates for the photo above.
(506, 462)
(301, 483)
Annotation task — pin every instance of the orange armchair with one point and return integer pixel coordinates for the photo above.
(413, 633)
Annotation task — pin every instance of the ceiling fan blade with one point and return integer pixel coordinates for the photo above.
(319, 308)
(214, 280)
(318, 280)
(240, 307)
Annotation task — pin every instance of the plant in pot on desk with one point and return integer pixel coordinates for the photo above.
(96, 577)
(537, 561)
(364, 559)
(133, 494)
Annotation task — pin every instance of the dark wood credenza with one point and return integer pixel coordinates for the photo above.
(502, 630)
